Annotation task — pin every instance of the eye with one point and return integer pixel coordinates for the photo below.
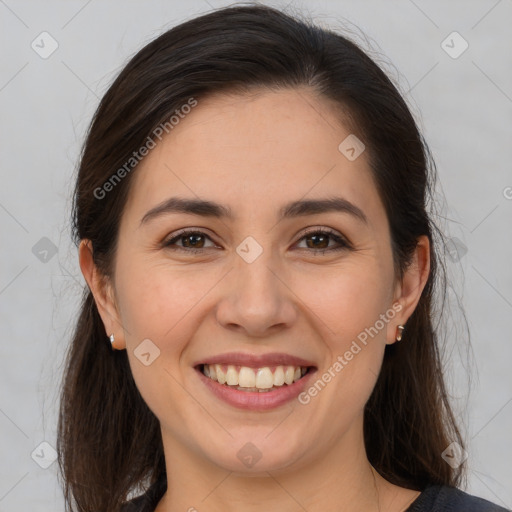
(320, 241)
(194, 241)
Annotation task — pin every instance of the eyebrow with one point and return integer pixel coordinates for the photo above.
(204, 208)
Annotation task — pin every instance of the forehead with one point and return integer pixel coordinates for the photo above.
(255, 152)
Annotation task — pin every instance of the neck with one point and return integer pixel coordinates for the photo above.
(341, 479)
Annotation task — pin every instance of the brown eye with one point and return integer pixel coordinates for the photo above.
(319, 241)
(191, 241)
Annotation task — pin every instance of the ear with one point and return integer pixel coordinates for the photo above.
(103, 293)
(409, 290)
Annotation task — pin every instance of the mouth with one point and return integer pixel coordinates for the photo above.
(266, 379)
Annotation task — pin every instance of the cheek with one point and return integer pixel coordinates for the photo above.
(347, 307)
(345, 300)
(158, 305)
(157, 302)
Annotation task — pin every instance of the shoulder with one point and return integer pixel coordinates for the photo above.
(443, 498)
(139, 504)
(148, 501)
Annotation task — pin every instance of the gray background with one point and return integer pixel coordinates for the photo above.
(463, 106)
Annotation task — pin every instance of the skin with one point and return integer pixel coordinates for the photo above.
(254, 153)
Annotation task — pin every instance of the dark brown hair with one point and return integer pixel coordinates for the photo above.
(109, 441)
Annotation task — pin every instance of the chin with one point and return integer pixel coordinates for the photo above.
(256, 451)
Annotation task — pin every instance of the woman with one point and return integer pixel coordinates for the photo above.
(257, 327)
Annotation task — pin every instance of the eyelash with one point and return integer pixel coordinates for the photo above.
(344, 244)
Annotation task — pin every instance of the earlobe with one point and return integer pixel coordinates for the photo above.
(408, 292)
(103, 294)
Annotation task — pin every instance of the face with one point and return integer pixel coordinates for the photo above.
(308, 285)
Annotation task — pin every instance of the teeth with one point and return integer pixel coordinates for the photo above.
(246, 377)
(278, 378)
(221, 376)
(289, 375)
(231, 375)
(264, 378)
(254, 379)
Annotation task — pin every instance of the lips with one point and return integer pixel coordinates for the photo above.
(256, 400)
(256, 360)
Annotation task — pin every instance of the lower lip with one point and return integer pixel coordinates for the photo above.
(254, 400)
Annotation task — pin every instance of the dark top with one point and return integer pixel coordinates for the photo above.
(435, 498)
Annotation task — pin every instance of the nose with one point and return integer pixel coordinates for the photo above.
(256, 301)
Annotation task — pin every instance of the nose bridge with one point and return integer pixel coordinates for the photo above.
(253, 275)
(256, 298)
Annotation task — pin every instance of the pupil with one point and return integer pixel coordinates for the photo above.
(190, 237)
(317, 236)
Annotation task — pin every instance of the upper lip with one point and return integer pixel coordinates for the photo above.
(254, 360)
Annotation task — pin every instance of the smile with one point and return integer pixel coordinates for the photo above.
(255, 388)
(261, 379)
